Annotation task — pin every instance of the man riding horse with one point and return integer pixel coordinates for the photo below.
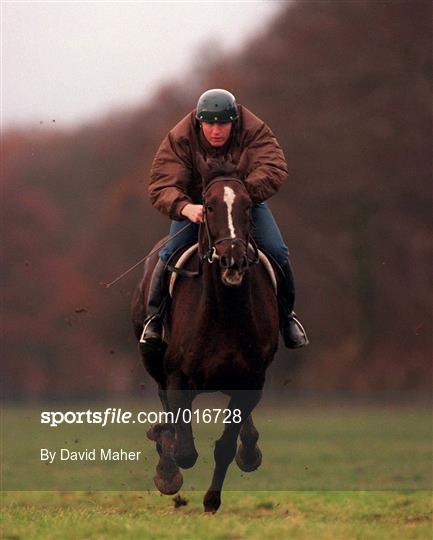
(219, 128)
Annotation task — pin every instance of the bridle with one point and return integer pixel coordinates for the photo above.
(209, 255)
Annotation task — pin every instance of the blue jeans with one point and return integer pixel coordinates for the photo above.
(265, 232)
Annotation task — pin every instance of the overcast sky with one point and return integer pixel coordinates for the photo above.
(72, 61)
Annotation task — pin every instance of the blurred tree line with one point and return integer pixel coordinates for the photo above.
(346, 87)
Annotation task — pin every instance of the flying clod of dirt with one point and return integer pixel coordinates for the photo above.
(179, 501)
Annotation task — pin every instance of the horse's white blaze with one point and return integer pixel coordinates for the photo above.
(229, 198)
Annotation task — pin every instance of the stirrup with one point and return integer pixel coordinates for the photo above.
(291, 340)
(152, 339)
(301, 328)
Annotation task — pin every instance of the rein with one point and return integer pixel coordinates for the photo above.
(209, 255)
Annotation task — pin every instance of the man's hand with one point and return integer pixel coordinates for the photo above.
(194, 212)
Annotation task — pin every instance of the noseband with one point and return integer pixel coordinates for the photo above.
(210, 253)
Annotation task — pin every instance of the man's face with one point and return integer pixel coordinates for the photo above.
(217, 134)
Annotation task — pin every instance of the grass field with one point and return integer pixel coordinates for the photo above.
(324, 475)
(265, 515)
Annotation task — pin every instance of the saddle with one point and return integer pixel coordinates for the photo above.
(177, 262)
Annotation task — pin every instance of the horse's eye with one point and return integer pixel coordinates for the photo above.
(209, 208)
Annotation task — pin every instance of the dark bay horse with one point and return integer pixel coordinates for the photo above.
(221, 334)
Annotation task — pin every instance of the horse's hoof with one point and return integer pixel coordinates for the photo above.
(212, 501)
(169, 487)
(248, 460)
(186, 461)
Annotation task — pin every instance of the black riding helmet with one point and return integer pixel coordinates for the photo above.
(216, 106)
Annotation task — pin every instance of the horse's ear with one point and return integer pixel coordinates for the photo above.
(202, 166)
(242, 167)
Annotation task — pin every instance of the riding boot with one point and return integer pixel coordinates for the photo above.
(293, 332)
(153, 327)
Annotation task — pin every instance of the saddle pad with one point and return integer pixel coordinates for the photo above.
(186, 255)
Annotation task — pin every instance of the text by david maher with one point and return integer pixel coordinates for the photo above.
(101, 454)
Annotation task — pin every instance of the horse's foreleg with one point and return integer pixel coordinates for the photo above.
(249, 455)
(162, 393)
(180, 403)
(225, 446)
(154, 432)
(168, 478)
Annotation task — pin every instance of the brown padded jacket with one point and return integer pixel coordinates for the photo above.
(174, 178)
